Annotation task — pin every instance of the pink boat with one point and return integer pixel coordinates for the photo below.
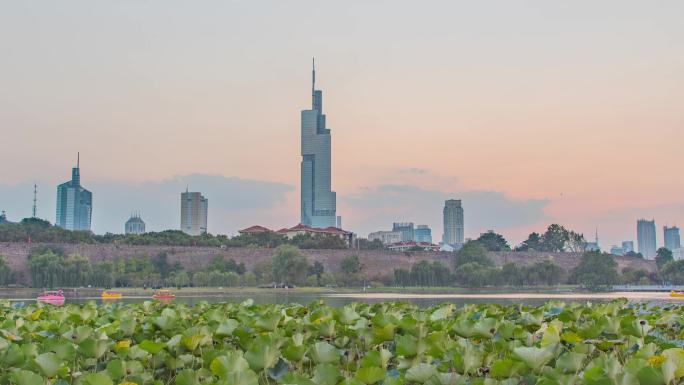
(53, 297)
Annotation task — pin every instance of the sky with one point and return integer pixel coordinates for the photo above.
(531, 112)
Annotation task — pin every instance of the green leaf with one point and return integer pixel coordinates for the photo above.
(262, 356)
(533, 357)
(151, 346)
(26, 377)
(97, 379)
(187, 377)
(504, 368)
(370, 375)
(48, 363)
(421, 373)
(116, 369)
(226, 328)
(326, 374)
(570, 362)
(296, 379)
(93, 348)
(233, 362)
(324, 353)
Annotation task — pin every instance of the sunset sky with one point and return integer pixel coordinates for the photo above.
(531, 112)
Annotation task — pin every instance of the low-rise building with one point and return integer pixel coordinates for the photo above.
(617, 250)
(405, 246)
(301, 229)
(386, 237)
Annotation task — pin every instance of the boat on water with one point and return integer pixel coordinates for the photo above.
(165, 294)
(53, 297)
(108, 294)
(677, 294)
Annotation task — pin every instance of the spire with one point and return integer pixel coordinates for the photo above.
(35, 193)
(78, 159)
(313, 81)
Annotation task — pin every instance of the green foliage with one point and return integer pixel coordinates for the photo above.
(5, 272)
(673, 272)
(365, 244)
(289, 265)
(595, 271)
(663, 256)
(472, 252)
(390, 343)
(555, 239)
(318, 241)
(493, 241)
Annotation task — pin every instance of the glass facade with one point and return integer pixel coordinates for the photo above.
(646, 238)
(194, 209)
(423, 234)
(453, 223)
(671, 238)
(318, 201)
(74, 204)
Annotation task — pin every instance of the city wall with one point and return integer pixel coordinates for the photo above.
(375, 262)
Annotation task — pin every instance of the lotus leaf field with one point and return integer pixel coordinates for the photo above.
(386, 343)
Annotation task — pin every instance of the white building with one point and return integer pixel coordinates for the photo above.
(193, 213)
(454, 233)
(386, 237)
(678, 253)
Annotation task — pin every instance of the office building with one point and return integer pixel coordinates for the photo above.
(193, 213)
(646, 238)
(454, 233)
(678, 254)
(318, 201)
(671, 238)
(628, 246)
(423, 234)
(74, 203)
(617, 250)
(406, 229)
(386, 237)
(135, 225)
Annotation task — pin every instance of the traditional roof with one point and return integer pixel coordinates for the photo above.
(255, 229)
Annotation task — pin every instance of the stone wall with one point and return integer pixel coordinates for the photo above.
(376, 262)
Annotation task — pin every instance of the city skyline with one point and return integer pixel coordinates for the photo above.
(537, 108)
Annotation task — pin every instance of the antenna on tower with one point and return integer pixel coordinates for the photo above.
(35, 199)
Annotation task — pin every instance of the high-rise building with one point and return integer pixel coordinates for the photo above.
(628, 246)
(423, 233)
(671, 237)
(406, 229)
(193, 213)
(135, 225)
(454, 233)
(74, 203)
(318, 201)
(646, 238)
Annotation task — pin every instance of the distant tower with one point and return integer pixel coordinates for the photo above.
(74, 203)
(671, 237)
(646, 238)
(318, 201)
(35, 200)
(135, 225)
(454, 233)
(194, 209)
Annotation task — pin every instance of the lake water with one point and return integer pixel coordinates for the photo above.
(422, 300)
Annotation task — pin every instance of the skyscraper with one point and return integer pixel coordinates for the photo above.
(193, 213)
(423, 234)
(318, 201)
(454, 233)
(646, 238)
(406, 229)
(135, 225)
(671, 237)
(74, 203)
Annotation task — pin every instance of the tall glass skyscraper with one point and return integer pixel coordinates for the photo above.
(318, 201)
(646, 238)
(454, 233)
(74, 203)
(671, 237)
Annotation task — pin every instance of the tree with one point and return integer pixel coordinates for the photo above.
(316, 270)
(472, 252)
(365, 244)
(249, 279)
(264, 272)
(673, 272)
(161, 264)
(554, 239)
(533, 243)
(663, 256)
(77, 271)
(351, 265)
(595, 271)
(633, 254)
(5, 272)
(472, 274)
(493, 241)
(512, 275)
(104, 274)
(542, 273)
(181, 279)
(289, 265)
